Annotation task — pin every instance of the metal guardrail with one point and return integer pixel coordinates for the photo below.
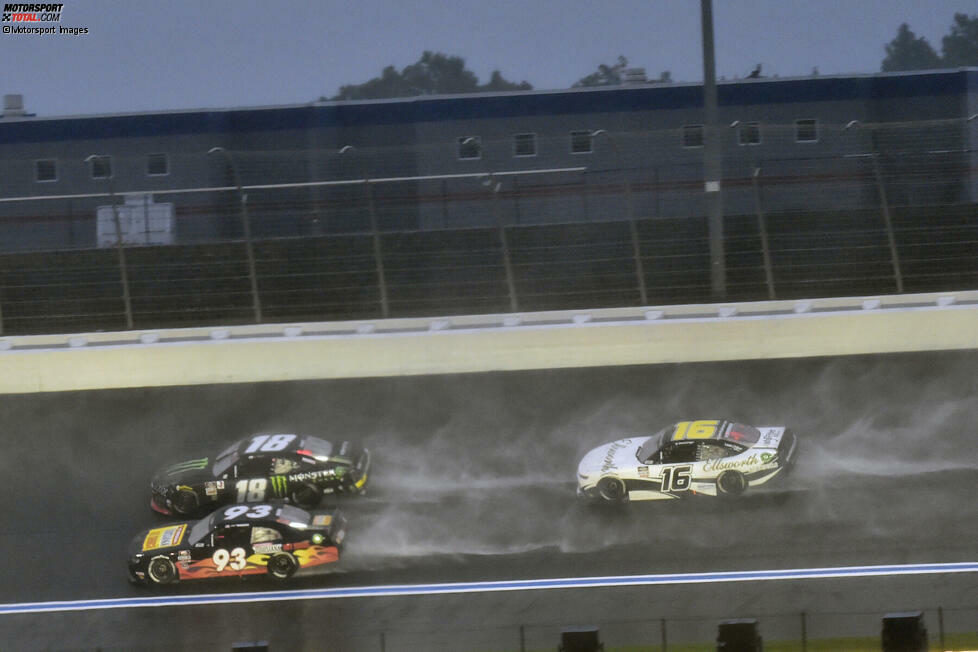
(528, 320)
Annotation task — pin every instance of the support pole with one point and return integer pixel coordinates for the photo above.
(504, 243)
(120, 248)
(632, 228)
(762, 229)
(246, 228)
(378, 251)
(890, 238)
(374, 234)
(711, 158)
(804, 632)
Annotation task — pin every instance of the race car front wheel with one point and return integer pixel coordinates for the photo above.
(184, 502)
(281, 565)
(161, 570)
(731, 483)
(306, 496)
(611, 490)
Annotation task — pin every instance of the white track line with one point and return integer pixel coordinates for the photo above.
(484, 587)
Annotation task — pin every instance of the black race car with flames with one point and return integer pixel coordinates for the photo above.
(298, 469)
(273, 539)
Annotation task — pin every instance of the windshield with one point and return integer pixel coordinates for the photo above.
(201, 529)
(318, 447)
(293, 516)
(651, 445)
(224, 463)
(741, 434)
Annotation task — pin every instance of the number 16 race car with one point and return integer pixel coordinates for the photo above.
(273, 539)
(711, 457)
(299, 469)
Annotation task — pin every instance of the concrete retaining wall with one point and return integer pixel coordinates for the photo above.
(400, 347)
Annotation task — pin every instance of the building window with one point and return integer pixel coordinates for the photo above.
(46, 170)
(580, 142)
(157, 165)
(749, 133)
(101, 167)
(469, 147)
(692, 135)
(806, 131)
(525, 145)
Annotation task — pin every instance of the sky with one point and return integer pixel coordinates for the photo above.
(184, 54)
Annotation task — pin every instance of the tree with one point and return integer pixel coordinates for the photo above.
(498, 83)
(434, 73)
(907, 52)
(960, 46)
(604, 75)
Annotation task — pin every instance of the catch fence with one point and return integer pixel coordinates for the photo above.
(336, 234)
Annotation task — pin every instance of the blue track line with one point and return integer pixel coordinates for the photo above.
(482, 587)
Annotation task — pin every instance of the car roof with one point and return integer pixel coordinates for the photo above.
(715, 429)
(291, 443)
(285, 514)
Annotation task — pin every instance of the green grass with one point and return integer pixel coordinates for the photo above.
(965, 641)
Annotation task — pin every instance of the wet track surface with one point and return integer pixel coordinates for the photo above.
(474, 474)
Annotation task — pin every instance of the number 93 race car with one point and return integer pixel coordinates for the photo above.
(712, 457)
(298, 469)
(273, 539)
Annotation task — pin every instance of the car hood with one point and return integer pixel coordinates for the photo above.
(187, 472)
(610, 456)
(160, 539)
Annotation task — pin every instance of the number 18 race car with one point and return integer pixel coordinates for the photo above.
(711, 457)
(272, 539)
(299, 469)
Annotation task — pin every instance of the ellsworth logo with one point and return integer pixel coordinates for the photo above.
(32, 13)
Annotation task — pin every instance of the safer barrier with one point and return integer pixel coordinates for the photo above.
(559, 339)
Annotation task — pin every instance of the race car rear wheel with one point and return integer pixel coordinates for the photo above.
(612, 490)
(731, 483)
(184, 502)
(282, 565)
(161, 570)
(306, 495)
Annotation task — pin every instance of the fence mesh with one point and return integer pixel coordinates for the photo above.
(329, 233)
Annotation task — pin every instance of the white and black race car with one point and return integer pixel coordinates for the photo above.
(713, 457)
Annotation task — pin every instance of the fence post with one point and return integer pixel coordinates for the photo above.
(940, 627)
(504, 243)
(655, 185)
(123, 268)
(662, 628)
(804, 633)
(630, 212)
(762, 228)
(374, 232)
(891, 240)
(383, 642)
(584, 194)
(522, 638)
(378, 251)
(246, 228)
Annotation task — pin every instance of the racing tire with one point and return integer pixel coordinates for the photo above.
(185, 502)
(306, 496)
(282, 565)
(612, 490)
(161, 571)
(731, 484)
